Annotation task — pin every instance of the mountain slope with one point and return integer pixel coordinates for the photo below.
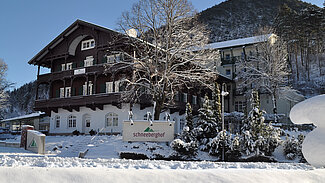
(234, 19)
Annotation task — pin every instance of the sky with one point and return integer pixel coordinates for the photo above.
(26, 27)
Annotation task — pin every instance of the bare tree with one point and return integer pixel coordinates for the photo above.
(170, 51)
(267, 70)
(4, 85)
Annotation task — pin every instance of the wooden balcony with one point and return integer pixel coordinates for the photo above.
(70, 73)
(75, 102)
(93, 102)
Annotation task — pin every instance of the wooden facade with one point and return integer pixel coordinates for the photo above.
(73, 67)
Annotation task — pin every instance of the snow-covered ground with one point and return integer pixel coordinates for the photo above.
(101, 164)
(58, 169)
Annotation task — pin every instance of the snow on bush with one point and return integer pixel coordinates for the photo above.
(292, 147)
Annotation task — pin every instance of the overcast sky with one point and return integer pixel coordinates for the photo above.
(28, 26)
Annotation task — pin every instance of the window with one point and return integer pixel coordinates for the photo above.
(67, 91)
(57, 121)
(88, 44)
(110, 59)
(185, 97)
(239, 106)
(115, 58)
(117, 86)
(111, 119)
(227, 56)
(84, 89)
(72, 121)
(228, 72)
(89, 61)
(61, 92)
(145, 117)
(69, 66)
(90, 88)
(182, 124)
(176, 97)
(87, 122)
(62, 67)
(194, 100)
(109, 87)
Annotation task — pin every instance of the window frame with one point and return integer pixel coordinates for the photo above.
(111, 119)
(88, 44)
(57, 121)
(72, 121)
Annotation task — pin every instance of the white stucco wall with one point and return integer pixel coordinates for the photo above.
(97, 119)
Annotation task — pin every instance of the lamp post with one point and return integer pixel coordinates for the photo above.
(223, 94)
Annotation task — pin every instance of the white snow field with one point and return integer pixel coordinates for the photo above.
(101, 164)
(312, 111)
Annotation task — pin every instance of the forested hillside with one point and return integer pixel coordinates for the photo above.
(242, 18)
(21, 101)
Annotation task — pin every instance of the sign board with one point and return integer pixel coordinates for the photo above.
(144, 131)
(79, 71)
(35, 141)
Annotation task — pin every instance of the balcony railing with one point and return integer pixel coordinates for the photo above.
(62, 74)
(75, 101)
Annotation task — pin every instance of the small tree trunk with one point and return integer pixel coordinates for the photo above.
(297, 66)
(157, 111)
(274, 106)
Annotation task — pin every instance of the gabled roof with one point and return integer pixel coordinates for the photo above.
(239, 42)
(64, 34)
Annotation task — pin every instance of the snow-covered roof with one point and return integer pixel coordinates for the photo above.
(32, 115)
(239, 42)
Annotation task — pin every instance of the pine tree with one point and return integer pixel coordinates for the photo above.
(186, 144)
(206, 122)
(205, 112)
(216, 106)
(189, 116)
(258, 138)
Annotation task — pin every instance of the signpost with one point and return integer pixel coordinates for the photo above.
(142, 131)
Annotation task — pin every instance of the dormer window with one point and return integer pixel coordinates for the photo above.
(87, 44)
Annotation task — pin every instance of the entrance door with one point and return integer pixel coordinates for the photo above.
(86, 124)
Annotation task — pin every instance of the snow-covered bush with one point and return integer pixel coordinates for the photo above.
(292, 147)
(186, 143)
(215, 145)
(184, 148)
